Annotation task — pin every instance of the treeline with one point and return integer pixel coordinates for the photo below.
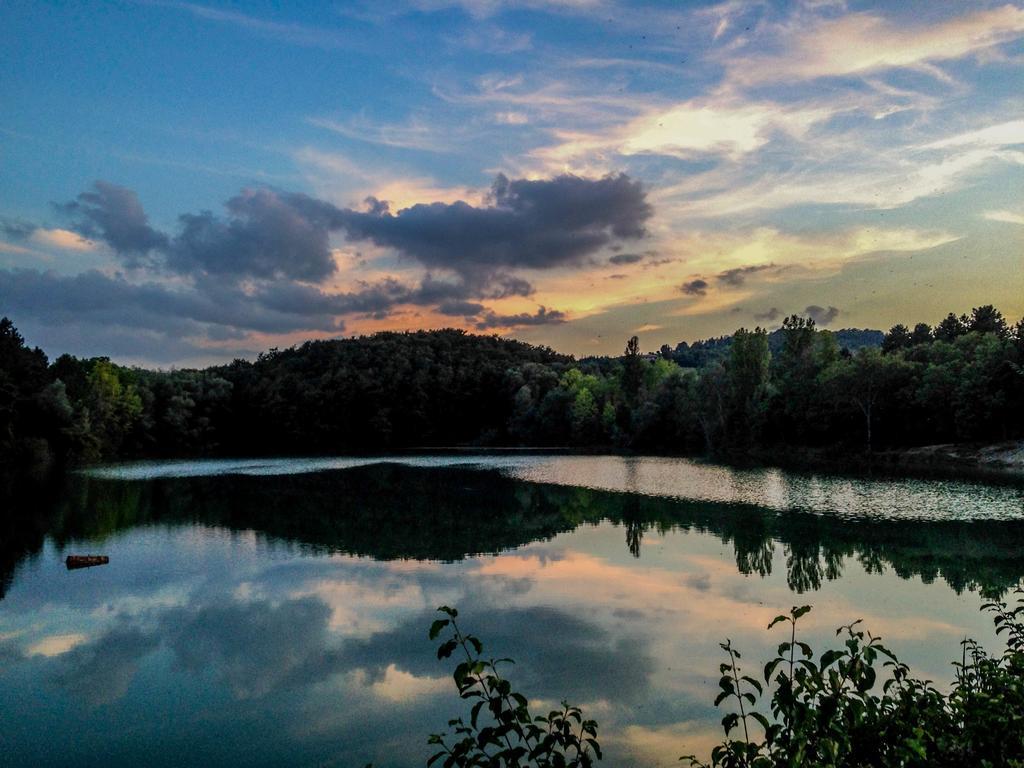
(752, 394)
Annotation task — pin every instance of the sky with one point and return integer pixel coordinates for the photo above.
(186, 183)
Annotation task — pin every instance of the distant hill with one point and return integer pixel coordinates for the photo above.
(701, 352)
(857, 338)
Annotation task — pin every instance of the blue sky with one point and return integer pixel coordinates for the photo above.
(184, 183)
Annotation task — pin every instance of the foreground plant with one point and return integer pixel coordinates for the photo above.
(501, 732)
(853, 707)
(833, 713)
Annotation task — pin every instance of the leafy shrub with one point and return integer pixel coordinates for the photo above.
(507, 735)
(833, 712)
(856, 705)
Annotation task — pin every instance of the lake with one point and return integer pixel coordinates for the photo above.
(275, 612)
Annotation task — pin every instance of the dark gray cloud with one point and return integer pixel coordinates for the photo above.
(257, 266)
(769, 315)
(255, 648)
(529, 224)
(542, 316)
(738, 275)
(698, 287)
(268, 234)
(100, 672)
(94, 313)
(96, 299)
(16, 229)
(307, 300)
(258, 649)
(503, 286)
(820, 315)
(626, 258)
(114, 215)
(601, 663)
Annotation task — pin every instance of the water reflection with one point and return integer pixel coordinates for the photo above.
(272, 620)
(393, 511)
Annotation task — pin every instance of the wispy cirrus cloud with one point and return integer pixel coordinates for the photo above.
(1006, 217)
(863, 43)
(413, 134)
(289, 32)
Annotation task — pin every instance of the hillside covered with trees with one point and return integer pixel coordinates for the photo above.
(748, 394)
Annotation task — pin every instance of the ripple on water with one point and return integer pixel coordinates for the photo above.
(904, 498)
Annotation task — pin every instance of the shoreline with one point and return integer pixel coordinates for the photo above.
(995, 462)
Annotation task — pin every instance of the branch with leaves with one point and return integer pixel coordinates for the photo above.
(501, 732)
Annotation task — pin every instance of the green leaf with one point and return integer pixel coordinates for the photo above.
(446, 649)
(437, 626)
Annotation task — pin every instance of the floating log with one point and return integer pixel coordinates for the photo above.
(85, 561)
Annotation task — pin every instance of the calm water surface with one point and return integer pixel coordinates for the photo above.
(275, 612)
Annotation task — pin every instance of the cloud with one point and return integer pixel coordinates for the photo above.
(268, 234)
(309, 301)
(263, 267)
(540, 654)
(626, 258)
(16, 229)
(114, 215)
(95, 299)
(737, 276)
(716, 126)
(542, 316)
(530, 224)
(861, 43)
(100, 672)
(481, 9)
(770, 315)
(296, 34)
(820, 315)
(1007, 217)
(697, 287)
(465, 308)
(722, 126)
(254, 648)
(511, 117)
(414, 134)
(61, 238)
(998, 135)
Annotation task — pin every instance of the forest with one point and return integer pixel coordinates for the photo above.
(753, 394)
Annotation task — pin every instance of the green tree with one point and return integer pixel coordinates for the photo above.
(988, 319)
(113, 405)
(632, 371)
(747, 375)
(867, 380)
(951, 328)
(922, 334)
(585, 425)
(896, 339)
(22, 375)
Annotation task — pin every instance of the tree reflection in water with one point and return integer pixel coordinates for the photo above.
(389, 511)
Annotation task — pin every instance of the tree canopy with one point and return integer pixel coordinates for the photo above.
(751, 393)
